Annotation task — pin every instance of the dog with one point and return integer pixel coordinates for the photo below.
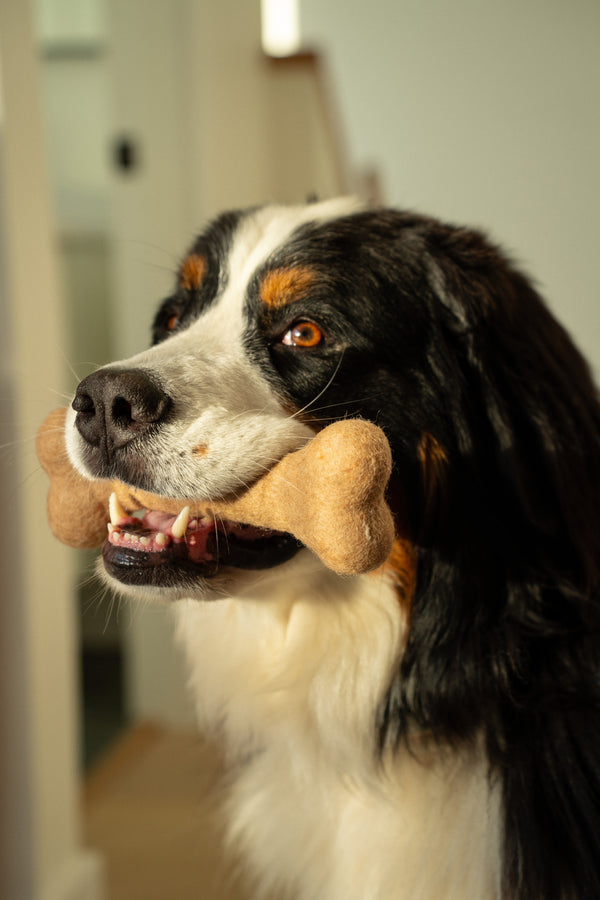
(429, 730)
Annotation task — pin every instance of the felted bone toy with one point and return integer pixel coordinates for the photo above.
(329, 495)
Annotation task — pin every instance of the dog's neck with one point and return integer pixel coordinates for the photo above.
(302, 650)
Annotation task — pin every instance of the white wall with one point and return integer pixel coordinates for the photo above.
(72, 41)
(39, 822)
(75, 105)
(484, 113)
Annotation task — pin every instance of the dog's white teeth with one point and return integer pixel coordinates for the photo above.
(162, 539)
(179, 526)
(116, 511)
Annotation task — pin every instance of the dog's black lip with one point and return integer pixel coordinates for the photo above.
(127, 464)
(172, 567)
(162, 569)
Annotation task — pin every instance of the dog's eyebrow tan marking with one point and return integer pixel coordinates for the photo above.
(282, 286)
(191, 272)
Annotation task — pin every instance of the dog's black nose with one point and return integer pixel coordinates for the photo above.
(114, 406)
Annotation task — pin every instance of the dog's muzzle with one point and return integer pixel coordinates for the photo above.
(116, 410)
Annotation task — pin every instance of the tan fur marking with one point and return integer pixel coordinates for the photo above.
(401, 565)
(282, 286)
(434, 461)
(200, 450)
(192, 270)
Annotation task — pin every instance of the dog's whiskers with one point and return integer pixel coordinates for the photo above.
(322, 391)
(70, 366)
(333, 405)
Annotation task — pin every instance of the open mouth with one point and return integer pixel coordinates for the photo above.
(155, 548)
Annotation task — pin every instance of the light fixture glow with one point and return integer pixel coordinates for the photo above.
(280, 27)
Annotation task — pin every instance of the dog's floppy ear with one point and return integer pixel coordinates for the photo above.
(532, 405)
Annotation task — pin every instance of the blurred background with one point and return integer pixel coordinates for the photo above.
(124, 125)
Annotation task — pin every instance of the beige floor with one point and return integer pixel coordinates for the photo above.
(151, 810)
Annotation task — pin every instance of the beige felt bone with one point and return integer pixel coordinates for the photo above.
(329, 494)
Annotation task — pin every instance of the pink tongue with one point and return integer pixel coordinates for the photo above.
(158, 521)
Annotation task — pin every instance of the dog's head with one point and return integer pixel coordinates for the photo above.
(286, 319)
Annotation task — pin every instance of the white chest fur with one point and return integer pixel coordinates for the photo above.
(290, 674)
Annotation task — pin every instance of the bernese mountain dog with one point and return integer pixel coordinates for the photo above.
(429, 730)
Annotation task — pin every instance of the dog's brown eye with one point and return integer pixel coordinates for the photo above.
(303, 334)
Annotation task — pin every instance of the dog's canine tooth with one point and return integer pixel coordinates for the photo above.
(179, 526)
(115, 510)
